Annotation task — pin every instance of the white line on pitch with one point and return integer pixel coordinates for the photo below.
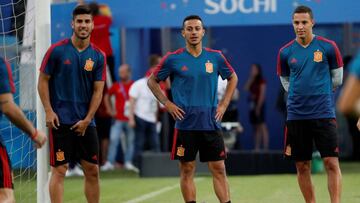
(158, 192)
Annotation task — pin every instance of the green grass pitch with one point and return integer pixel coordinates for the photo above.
(122, 186)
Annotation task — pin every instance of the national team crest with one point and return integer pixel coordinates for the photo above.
(89, 64)
(60, 156)
(318, 56)
(209, 67)
(180, 151)
(288, 150)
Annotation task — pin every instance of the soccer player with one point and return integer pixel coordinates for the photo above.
(194, 71)
(70, 85)
(17, 117)
(310, 68)
(349, 102)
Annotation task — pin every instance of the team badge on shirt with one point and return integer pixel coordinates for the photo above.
(60, 156)
(318, 56)
(209, 67)
(180, 151)
(89, 64)
(288, 150)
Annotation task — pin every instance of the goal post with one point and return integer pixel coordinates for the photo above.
(43, 42)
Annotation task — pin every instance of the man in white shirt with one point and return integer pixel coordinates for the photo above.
(143, 117)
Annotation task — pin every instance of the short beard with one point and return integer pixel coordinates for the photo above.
(82, 38)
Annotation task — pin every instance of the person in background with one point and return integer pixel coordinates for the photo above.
(144, 114)
(101, 34)
(256, 85)
(121, 126)
(349, 101)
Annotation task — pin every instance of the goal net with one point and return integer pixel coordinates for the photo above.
(17, 46)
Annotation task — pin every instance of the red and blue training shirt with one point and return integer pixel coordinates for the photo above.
(72, 76)
(194, 85)
(309, 71)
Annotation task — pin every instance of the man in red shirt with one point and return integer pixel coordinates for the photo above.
(121, 126)
(100, 35)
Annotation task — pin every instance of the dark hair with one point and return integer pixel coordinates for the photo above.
(154, 60)
(94, 7)
(81, 9)
(303, 9)
(192, 17)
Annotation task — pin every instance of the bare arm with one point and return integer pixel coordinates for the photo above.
(154, 86)
(107, 104)
(349, 101)
(52, 120)
(223, 104)
(80, 126)
(132, 112)
(17, 117)
(176, 112)
(43, 89)
(95, 99)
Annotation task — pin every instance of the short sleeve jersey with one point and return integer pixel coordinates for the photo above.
(72, 76)
(309, 71)
(355, 66)
(121, 92)
(7, 83)
(194, 83)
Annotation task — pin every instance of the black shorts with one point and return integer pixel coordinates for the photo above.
(103, 126)
(5, 169)
(66, 145)
(301, 135)
(210, 145)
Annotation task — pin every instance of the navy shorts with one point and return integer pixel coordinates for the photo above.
(302, 135)
(209, 144)
(66, 145)
(5, 169)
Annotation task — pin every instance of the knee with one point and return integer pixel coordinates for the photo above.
(331, 164)
(91, 171)
(114, 138)
(187, 171)
(218, 169)
(60, 171)
(303, 167)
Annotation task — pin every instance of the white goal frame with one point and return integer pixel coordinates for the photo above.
(43, 42)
